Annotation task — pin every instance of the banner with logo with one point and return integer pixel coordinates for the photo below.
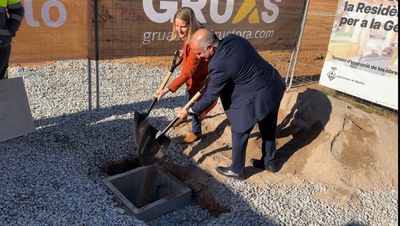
(362, 58)
(52, 30)
(62, 29)
(132, 28)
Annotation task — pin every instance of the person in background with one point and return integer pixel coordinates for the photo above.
(194, 70)
(11, 14)
(250, 90)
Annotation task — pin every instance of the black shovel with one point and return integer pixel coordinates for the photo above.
(153, 142)
(138, 118)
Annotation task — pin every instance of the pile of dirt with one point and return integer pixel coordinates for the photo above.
(319, 139)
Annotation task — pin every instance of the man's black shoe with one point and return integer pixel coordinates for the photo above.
(271, 168)
(227, 172)
(257, 163)
(260, 164)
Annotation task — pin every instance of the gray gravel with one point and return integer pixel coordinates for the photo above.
(54, 177)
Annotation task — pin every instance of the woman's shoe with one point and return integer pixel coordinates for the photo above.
(191, 137)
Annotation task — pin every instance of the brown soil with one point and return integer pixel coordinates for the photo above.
(319, 139)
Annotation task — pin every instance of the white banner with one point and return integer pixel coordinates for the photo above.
(363, 51)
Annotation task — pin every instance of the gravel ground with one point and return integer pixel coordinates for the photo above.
(54, 176)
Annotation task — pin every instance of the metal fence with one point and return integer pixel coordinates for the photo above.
(103, 77)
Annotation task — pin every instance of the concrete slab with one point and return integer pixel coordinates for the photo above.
(15, 115)
(149, 191)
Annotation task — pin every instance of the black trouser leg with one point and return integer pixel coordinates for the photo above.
(4, 60)
(267, 128)
(239, 144)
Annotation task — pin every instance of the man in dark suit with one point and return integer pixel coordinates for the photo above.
(250, 90)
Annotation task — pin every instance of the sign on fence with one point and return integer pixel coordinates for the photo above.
(362, 58)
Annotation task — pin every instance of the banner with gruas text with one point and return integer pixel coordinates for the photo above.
(64, 29)
(144, 27)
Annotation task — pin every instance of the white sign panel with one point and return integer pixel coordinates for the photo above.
(363, 51)
(15, 115)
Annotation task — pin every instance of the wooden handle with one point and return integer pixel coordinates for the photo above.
(191, 102)
(162, 86)
(186, 107)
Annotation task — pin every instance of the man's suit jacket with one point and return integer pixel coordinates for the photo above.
(249, 87)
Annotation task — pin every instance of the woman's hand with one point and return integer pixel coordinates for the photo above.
(160, 93)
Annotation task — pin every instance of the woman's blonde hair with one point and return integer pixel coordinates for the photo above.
(187, 15)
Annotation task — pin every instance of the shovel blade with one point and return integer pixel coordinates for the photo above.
(150, 147)
(137, 119)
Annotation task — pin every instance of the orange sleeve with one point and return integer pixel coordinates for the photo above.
(190, 64)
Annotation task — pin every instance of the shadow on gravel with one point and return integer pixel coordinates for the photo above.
(102, 143)
(105, 112)
(355, 224)
(108, 128)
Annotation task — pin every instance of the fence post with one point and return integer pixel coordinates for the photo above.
(96, 41)
(303, 22)
(89, 84)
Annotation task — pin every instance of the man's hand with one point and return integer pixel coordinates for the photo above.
(182, 113)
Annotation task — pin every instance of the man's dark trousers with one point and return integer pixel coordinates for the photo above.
(267, 128)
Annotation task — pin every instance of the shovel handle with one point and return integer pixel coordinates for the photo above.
(162, 86)
(186, 107)
(167, 77)
(171, 70)
(174, 63)
(194, 99)
(151, 106)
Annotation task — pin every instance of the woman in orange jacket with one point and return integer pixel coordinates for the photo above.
(194, 70)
